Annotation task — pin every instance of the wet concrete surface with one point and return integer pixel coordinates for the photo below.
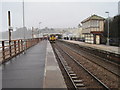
(26, 70)
(53, 76)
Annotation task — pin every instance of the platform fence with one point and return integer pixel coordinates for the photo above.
(10, 49)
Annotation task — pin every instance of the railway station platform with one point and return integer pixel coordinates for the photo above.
(36, 68)
(111, 49)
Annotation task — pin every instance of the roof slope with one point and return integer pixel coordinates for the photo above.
(93, 17)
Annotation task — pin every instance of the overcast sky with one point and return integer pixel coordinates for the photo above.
(54, 14)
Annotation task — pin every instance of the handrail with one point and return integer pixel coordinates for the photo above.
(15, 47)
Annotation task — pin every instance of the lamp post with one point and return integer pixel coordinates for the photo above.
(108, 30)
(24, 27)
(32, 33)
(39, 29)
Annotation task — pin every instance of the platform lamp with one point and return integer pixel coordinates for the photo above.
(108, 30)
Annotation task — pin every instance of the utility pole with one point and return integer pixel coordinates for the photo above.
(23, 20)
(9, 25)
(108, 37)
(24, 27)
(39, 28)
(32, 33)
(38, 33)
(10, 29)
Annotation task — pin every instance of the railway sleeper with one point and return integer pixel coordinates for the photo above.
(65, 64)
(80, 85)
(68, 69)
(74, 77)
(78, 81)
(73, 74)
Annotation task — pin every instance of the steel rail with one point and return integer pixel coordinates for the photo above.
(93, 61)
(110, 61)
(78, 63)
(60, 58)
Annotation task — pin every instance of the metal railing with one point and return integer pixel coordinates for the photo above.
(10, 49)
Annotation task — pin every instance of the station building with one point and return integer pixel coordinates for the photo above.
(92, 29)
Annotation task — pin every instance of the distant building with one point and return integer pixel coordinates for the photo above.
(119, 8)
(92, 29)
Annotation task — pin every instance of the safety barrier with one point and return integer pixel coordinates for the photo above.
(10, 49)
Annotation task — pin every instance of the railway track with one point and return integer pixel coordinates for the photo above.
(115, 71)
(78, 82)
(92, 54)
(104, 55)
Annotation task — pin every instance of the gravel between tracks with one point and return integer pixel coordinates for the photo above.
(88, 81)
(105, 76)
(66, 78)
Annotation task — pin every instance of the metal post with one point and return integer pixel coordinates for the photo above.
(23, 15)
(23, 19)
(39, 28)
(21, 45)
(108, 30)
(9, 24)
(15, 47)
(18, 46)
(24, 42)
(3, 50)
(32, 33)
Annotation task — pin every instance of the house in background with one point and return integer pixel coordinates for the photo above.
(92, 29)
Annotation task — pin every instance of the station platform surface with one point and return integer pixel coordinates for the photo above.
(37, 68)
(112, 49)
(52, 77)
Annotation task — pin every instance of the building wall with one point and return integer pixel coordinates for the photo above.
(101, 26)
(89, 38)
(92, 25)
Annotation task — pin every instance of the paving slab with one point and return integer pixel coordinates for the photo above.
(53, 77)
(26, 70)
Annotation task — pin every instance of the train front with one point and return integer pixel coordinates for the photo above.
(52, 38)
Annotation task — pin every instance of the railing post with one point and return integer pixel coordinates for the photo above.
(29, 42)
(32, 42)
(19, 46)
(26, 44)
(15, 47)
(3, 50)
(10, 48)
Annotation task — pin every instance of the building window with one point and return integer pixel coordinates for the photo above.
(94, 23)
